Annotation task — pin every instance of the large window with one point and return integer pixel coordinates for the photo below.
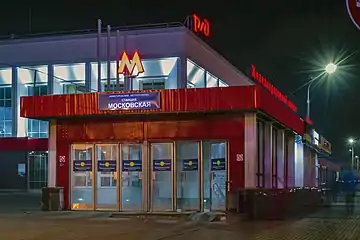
(32, 80)
(286, 160)
(260, 154)
(69, 78)
(274, 157)
(195, 75)
(198, 77)
(37, 128)
(158, 74)
(211, 80)
(5, 112)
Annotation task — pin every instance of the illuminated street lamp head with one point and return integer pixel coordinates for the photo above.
(330, 68)
(351, 141)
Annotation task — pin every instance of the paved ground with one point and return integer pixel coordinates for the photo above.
(19, 220)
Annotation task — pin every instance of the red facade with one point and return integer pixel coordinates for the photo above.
(23, 144)
(188, 127)
(185, 114)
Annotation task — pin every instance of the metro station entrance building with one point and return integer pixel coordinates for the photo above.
(192, 151)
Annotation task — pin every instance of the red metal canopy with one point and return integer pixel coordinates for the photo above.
(222, 99)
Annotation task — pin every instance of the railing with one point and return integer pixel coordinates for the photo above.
(92, 31)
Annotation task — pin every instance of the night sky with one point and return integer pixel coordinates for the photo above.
(289, 41)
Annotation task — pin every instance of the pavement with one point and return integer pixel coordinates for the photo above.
(20, 219)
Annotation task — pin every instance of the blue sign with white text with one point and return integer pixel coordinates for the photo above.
(132, 165)
(106, 165)
(82, 165)
(190, 165)
(129, 101)
(161, 165)
(218, 164)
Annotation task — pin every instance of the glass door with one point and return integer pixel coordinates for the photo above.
(215, 175)
(106, 156)
(162, 175)
(187, 176)
(82, 177)
(131, 190)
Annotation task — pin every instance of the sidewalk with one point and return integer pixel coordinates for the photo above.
(82, 225)
(21, 219)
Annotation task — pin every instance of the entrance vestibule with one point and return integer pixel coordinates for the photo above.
(149, 176)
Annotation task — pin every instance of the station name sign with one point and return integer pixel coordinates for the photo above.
(129, 101)
(271, 88)
(127, 65)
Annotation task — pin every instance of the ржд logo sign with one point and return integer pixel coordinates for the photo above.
(127, 66)
(198, 25)
(353, 7)
(201, 25)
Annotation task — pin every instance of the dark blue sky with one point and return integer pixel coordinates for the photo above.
(285, 39)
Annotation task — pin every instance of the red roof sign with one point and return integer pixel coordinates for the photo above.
(353, 7)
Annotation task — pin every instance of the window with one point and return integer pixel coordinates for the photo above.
(211, 80)
(112, 86)
(39, 90)
(260, 154)
(37, 128)
(38, 170)
(274, 160)
(195, 75)
(69, 78)
(5, 112)
(74, 88)
(222, 83)
(286, 160)
(152, 84)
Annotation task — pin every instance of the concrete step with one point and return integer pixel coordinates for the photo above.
(157, 215)
(193, 217)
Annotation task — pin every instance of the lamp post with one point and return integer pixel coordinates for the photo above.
(329, 69)
(352, 142)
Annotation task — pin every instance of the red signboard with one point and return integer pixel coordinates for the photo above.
(201, 25)
(353, 7)
(272, 89)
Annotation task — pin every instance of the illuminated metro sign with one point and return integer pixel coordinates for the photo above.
(198, 25)
(271, 88)
(127, 66)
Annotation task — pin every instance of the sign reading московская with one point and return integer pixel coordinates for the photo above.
(129, 101)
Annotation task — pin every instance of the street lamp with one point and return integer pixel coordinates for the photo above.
(352, 142)
(329, 69)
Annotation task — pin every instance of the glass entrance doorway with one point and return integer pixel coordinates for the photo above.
(131, 190)
(215, 175)
(162, 175)
(149, 177)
